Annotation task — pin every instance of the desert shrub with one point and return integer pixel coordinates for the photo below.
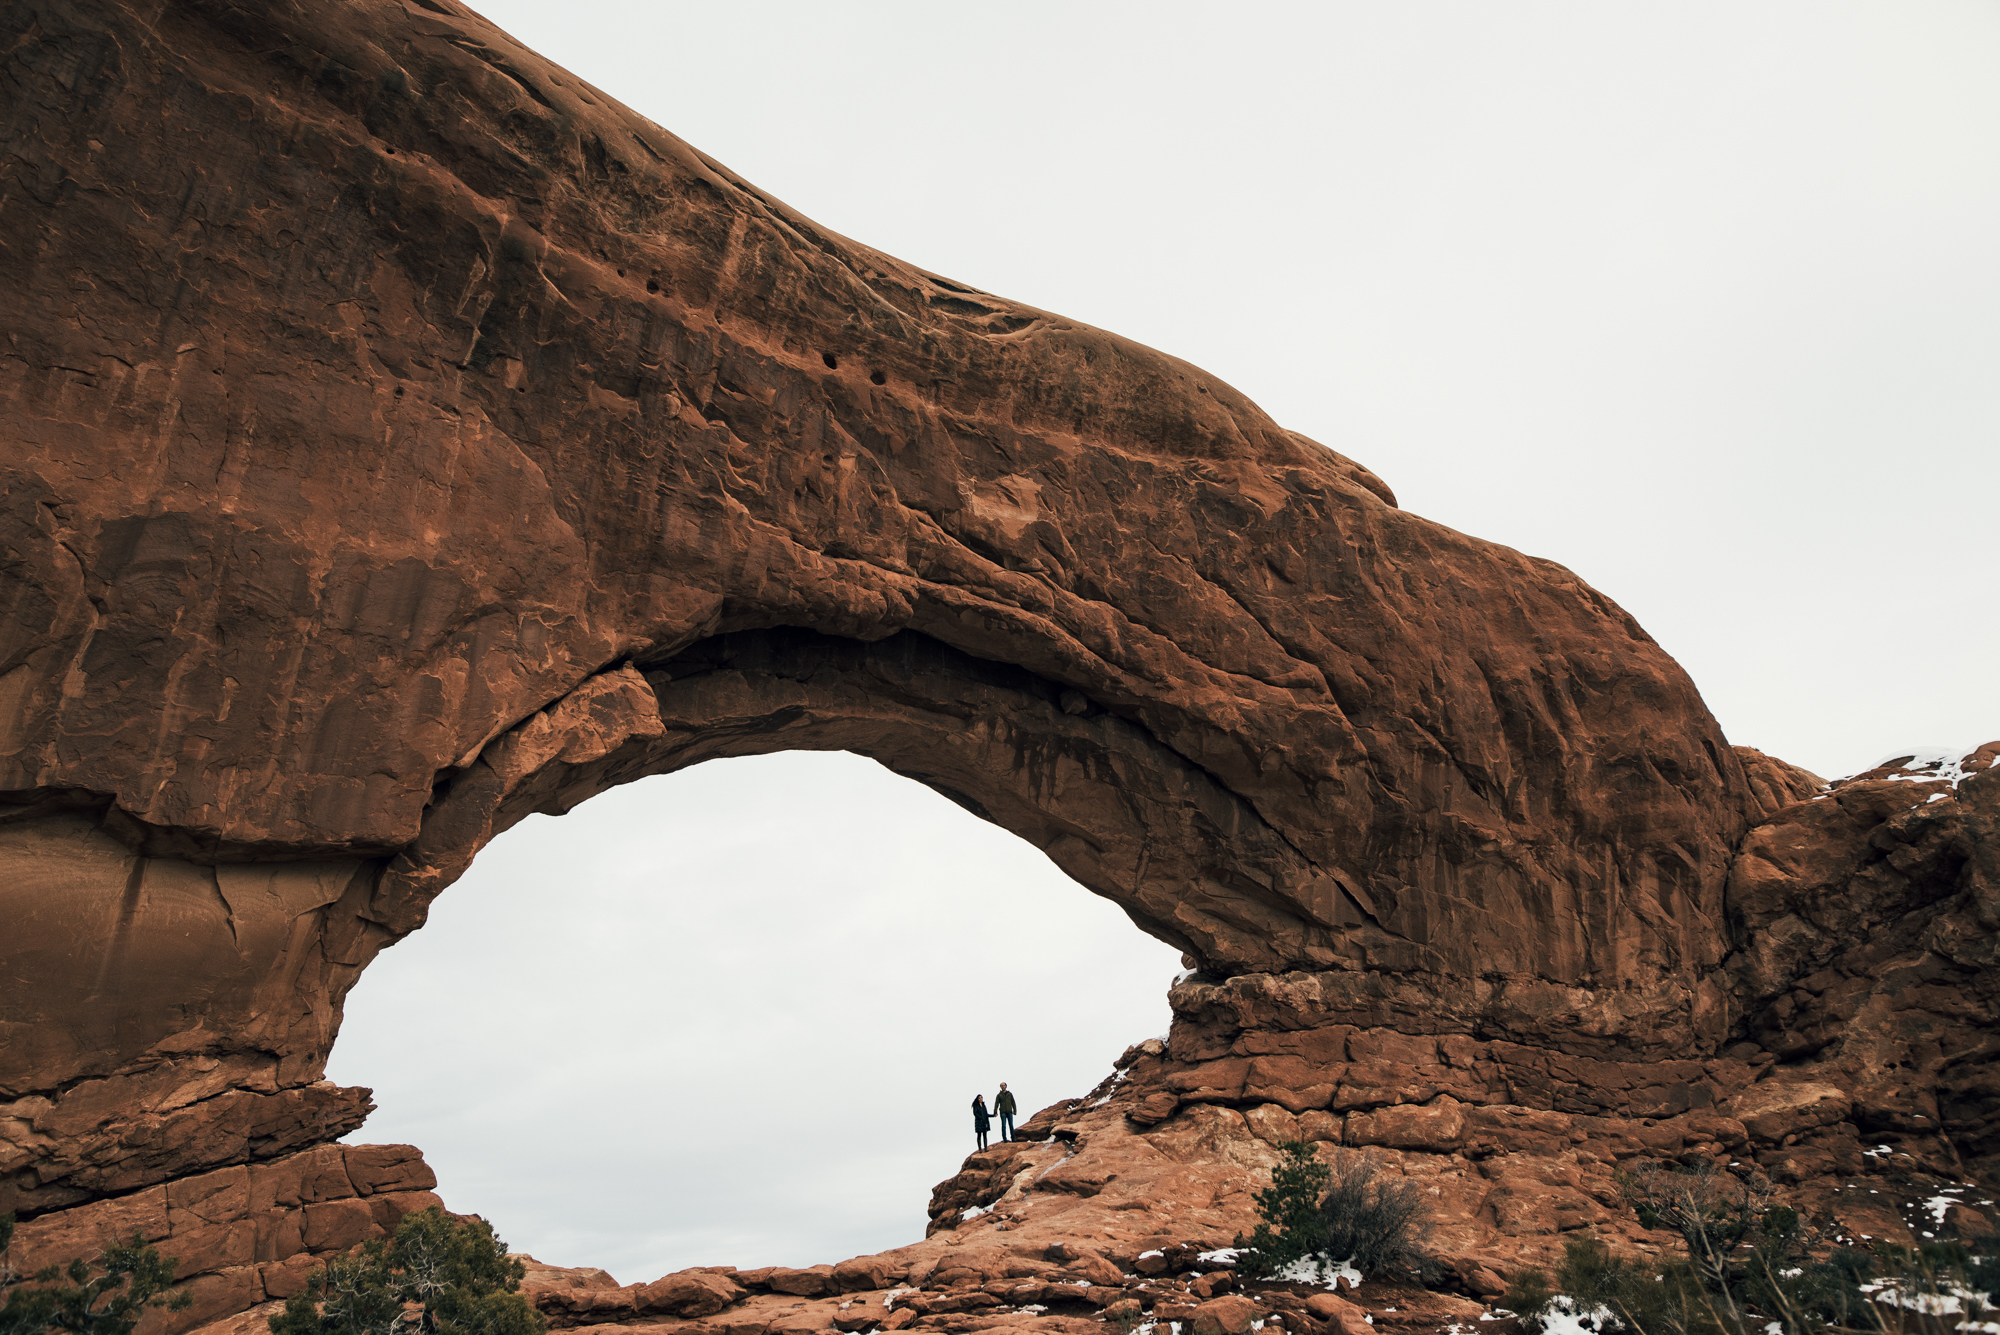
(1666, 1299)
(1710, 1210)
(1529, 1296)
(437, 1276)
(1746, 1255)
(1289, 1230)
(130, 1278)
(1982, 1270)
(1973, 1266)
(1626, 1290)
(1368, 1220)
(1749, 1268)
(1907, 1289)
(1324, 1216)
(1782, 1282)
(1627, 1297)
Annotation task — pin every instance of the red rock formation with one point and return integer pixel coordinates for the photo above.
(247, 1234)
(1868, 923)
(404, 437)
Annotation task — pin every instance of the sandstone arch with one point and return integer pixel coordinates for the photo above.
(401, 436)
(375, 470)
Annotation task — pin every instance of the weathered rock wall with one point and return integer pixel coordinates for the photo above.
(400, 436)
(245, 1235)
(1861, 1087)
(1867, 923)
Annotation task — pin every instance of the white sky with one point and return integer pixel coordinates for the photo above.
(1701, 300)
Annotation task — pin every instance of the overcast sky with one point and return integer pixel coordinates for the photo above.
(1701, 300)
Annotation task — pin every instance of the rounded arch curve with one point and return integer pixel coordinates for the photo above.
(1188, 860)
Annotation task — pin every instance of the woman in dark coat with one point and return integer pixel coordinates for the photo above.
(980, 1121)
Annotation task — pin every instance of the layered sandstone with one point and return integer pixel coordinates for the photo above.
(246, 1235)
(402, 437)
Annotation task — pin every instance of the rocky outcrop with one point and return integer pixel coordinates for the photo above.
(1868, 923)
(1857, 1089)
(246, 1235)
(403, 437)
(1106, 1217)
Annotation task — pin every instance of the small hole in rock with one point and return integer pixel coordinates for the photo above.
(877, 378)
(652, 286)
(832, 362)
(621, 273)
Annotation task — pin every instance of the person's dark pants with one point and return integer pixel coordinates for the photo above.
(982, 1138)
(1006, 1126)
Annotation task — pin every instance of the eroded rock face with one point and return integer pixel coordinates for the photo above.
(245, 1235)
(1869, 923)
(402, 436)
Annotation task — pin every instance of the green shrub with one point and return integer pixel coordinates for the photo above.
(437, 1276)
(1528, 1296)
(1971, 1266)
(132, 1277)
(1647, 1299)
(1631, 1297)
(1958, 1273)
(1748, 1267)
(1290, 1229)
(1314, 1213)
(1711, 1211)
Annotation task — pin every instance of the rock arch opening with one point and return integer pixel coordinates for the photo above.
(1085, 779)
(737, 1011)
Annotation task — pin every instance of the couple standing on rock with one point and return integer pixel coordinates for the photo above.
(1003, 1108)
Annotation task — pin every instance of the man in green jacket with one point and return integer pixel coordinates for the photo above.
(1003, 1106)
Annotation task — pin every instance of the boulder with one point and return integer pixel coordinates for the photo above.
(859, 1274)
(1228, 1315)
(1338, 1312)
(1966, 1222)
(1437, 1127)
(1775, 1109)
(1154, 1108)
(689, 1293)
(1096, 1269)
(811, 1282)
(1270, 1122)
